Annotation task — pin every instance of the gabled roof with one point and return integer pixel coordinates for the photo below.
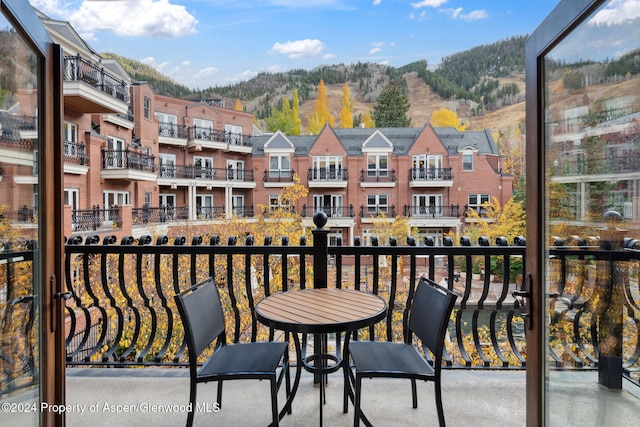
(279, 142)
(62, 32)
(455, 141)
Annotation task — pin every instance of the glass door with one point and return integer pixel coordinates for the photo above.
(583, 215)
(31, 317)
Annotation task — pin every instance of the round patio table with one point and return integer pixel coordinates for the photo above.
(320, 311)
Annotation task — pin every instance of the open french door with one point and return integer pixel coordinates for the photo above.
(31, 311)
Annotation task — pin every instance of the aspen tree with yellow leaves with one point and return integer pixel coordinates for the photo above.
(444, 117)
(321, 114)
(346, 113)
(238, 105)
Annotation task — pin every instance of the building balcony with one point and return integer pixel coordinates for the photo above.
(572, 170)
(327, 178)
(430, 177)
(173, 134)
(278, 178)
(128, 164)
(184, 175)
(432, 216)
(206, 138)
(121, 314)
(377, 178)
(76, 160)
(88, 88)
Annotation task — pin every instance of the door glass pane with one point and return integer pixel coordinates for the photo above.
(592, 172)
(19, 274)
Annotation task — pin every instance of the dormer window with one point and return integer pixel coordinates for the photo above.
(377, 165)
(467, 161)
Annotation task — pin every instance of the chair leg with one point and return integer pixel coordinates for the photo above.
(356, 404)
(274, 401)
(193, 389)
(219, 393)
(439, 403)
(414, 393)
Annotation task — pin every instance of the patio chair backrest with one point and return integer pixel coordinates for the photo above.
(201, 311)
(430, 311)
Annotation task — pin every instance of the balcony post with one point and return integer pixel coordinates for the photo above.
(610, 287)
(320, 253)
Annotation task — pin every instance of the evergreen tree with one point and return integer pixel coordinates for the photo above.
(392, 107)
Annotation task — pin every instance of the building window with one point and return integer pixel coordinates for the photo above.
(203, 167)
(327, 167)
(276, 202)
(147, 198)
(377, 165)
(233, 134)
(377, 204)
(235, 170)
(71, 140)
(147, 108)
(279, 167)
(476, 201)
(467, 161)
(72, 197)
(167, 165)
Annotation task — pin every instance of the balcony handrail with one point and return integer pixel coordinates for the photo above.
(336, 211)
(432, 211)
(96, 218)
(279, 175)
(77, 68)
(173, 130)
(128, 159)
(327, 174)
(75, 152)
(430, 174)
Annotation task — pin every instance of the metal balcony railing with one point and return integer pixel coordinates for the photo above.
(216, 135)
(331, 211)
(203, 172)
(96, 218)
(128, 159)
(278, 175)
(173, 130)
(327, 174)
(77, 68)
(378, 175)
(75, 153)
(430, 174)
(377, 210)
(450, 211)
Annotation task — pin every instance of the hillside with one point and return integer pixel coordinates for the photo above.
(484, 85)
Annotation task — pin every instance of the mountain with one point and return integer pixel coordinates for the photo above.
(477, 84)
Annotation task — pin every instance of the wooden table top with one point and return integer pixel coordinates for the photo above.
(323, 310)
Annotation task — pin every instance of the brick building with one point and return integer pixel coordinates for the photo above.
(134, 160)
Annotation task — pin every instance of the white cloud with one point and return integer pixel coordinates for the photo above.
(376, 2)
(420, 17)
(153, 18)
(89, 36)
(328, 56)
(474, 15)
(299, 48)
(428, 3)
(374, 50)
(617, 11)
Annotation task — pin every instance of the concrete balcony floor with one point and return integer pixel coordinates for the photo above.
(470, 398)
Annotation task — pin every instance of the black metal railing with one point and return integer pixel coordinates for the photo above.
(173, 130)
(430, 174)
(96, 218)
(414, 211)
(12, 128)
(23, 214)
(572, 165)
(216, 135)
(128, 159)
(377, 210)
(377, 175)
(204, 172)
(327, 174)
(278, 175)
(77, 68)
(75, 153)
(331, 211)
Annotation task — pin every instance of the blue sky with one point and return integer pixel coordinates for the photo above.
(203, 43)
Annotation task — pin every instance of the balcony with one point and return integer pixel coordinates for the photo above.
(96, 219)
(128, 164)
(327, 178)
(430, 177)
(201, 138)
(17, 132)
(377, 178)
(433, 216)
(88, 88)
(183, 175)
(121, 314)
(278, 178)
(76, 160)
(173, 134)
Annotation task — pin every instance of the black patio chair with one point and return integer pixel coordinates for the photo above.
(203, 321)
(429, 317)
